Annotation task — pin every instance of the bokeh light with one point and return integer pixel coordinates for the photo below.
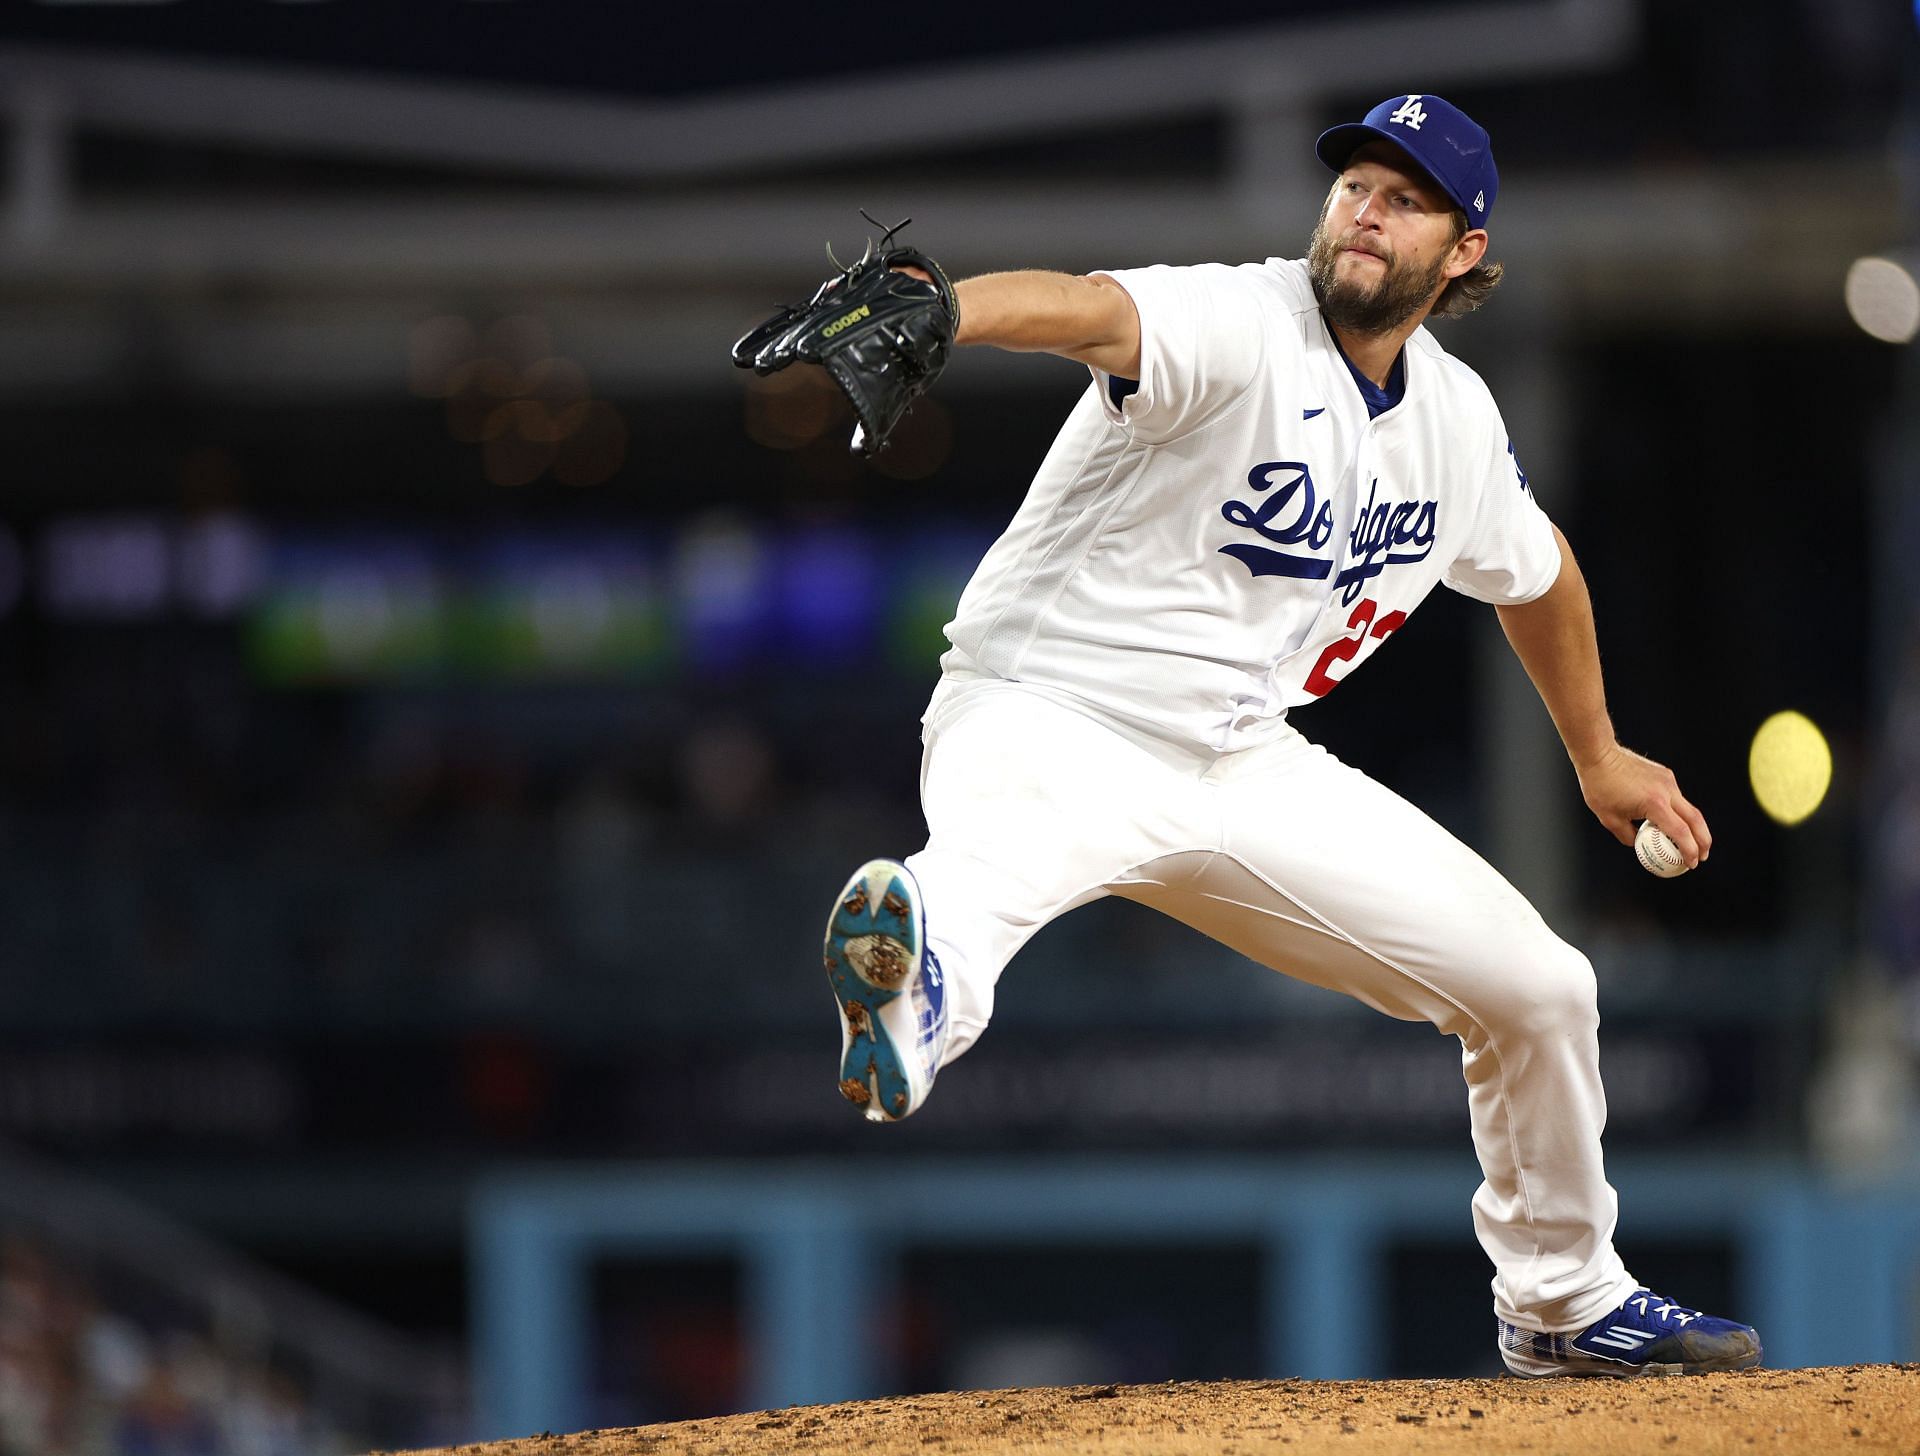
(557, 388)
(793, 408)
(105, 568)
(572, 613)
(530, 410)
(474, 391)
(436, 347)
(222, 563)
(522, 417)
(508, 457)
(724, 583)
(1884, 299)
(1790, 765)
(355, 612)
(520, 339)
(919, 444)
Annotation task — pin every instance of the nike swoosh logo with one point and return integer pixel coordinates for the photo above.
(1307, 414)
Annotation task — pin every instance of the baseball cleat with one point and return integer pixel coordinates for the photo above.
(893, 1005)
(1647, 1335)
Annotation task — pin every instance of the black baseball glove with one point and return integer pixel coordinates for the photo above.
(883, 335)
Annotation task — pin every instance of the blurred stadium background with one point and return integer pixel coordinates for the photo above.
(439, 691)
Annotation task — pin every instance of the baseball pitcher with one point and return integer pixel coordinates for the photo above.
(1273, 465)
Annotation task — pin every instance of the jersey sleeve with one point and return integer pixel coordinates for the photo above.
(1201, 344)
(1511, 555)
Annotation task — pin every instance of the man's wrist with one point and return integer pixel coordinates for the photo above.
(961, 335)
(1589, 749)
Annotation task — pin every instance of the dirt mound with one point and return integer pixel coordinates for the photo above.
(1853, 1409)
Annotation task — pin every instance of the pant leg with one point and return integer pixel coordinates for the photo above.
(1330, 877)
(1032, 807)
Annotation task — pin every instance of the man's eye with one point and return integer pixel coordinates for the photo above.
(1402, 200)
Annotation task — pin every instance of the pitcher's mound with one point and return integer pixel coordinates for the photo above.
(1852, 1409)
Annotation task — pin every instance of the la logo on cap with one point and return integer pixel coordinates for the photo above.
(1410, 114)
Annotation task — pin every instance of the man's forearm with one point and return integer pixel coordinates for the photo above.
(1089, 319)
(1554, 639)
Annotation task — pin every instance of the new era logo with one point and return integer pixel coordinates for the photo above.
(1410, 114)
(1480, 201)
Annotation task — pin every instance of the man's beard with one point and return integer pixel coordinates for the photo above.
(1400, 293)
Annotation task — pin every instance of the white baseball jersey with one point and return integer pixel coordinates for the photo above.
(1238, 535)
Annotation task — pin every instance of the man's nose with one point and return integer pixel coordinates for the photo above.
(1366, 215)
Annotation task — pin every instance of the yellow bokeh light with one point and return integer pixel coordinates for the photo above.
(1791, 766)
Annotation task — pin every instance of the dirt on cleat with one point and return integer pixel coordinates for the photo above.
(880, 960)
(894, 906)
(856, 903)
(855, 1092)
(857, 1023)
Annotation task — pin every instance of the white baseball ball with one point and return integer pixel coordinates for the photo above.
(1657, 854)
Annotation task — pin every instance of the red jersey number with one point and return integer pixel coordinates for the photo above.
(1320, 681)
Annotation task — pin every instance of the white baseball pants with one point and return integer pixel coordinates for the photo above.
(1310, 867)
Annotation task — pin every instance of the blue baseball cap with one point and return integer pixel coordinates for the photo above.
(1449, 145)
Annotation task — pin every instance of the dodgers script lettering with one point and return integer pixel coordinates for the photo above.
(1379, 530)
(1293, 515)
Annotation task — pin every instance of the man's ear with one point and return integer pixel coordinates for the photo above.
(1467, 253)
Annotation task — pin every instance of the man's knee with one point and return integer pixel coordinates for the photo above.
(1554, 994)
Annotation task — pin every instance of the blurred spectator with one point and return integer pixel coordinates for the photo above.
(82, 1376)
